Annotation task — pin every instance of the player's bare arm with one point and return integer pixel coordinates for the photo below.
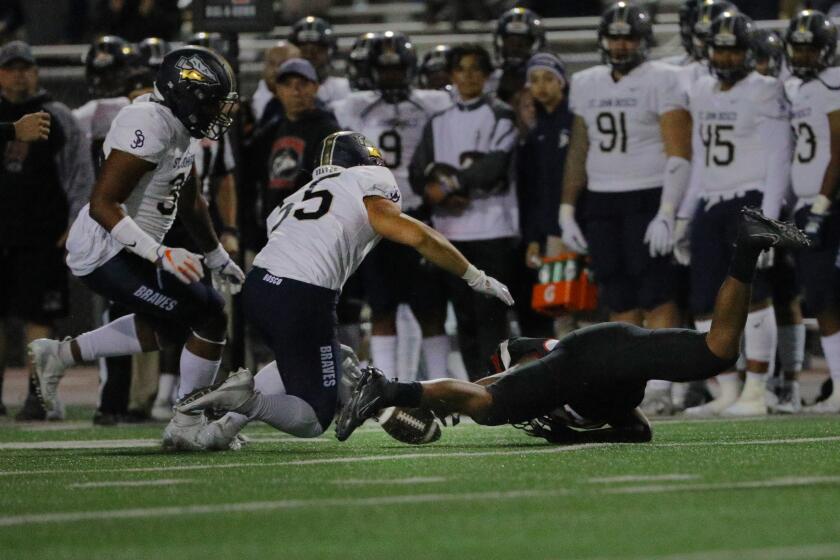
(574, 182)
(119, 176)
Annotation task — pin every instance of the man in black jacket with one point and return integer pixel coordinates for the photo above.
(43, 184)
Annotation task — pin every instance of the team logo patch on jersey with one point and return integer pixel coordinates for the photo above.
(193, 69)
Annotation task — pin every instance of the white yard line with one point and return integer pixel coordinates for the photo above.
(137, 513)
(746, 484)
(132, 443)
(642, 478)
(389, 481)
(130, 483)
(799, 552)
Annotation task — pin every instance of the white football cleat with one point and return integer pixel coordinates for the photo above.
(230, 394)
(221, 435)
(49, 369)
(829, 406)
(657, 402)
(751, 402)
(711, 408)
(181, 434)
(788, 400)
(161, 412)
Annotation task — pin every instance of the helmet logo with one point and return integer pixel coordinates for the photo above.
(194, 69)
(517, 28)
(619, 28)
(103, 59)
(374, 152)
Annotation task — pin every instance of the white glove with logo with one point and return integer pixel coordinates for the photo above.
(572, 235)
(682, 241)
(480, 282)
(227, 272)
(186, 266)
(659, 235)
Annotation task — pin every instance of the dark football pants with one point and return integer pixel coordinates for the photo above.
(601, 371)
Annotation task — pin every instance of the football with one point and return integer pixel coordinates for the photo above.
(410, 425)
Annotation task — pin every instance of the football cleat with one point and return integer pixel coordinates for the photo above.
(351, 372)
(230, 394)
(363, 404)
(658, 402)
(751, 402)
(221, 435)
(49, 369)
(161, 412)
(760, 232)
(788, 399)
(181, 434)
(415, 426)
(711, 408)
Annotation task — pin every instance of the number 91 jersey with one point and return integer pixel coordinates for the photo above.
(151, 132)
(626, 152)
(811, 103)
(394, 128)
(729, 151)
(321, 233)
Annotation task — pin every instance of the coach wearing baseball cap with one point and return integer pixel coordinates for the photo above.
(44, 185)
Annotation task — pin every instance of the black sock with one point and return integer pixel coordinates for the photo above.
(742, 265)
(403, 394)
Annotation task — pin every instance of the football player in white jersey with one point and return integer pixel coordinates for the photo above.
(630, 148)
(393, 114)
(317, 238)
(814, 94)
(742, 146)
(114, 246)
(316, 41)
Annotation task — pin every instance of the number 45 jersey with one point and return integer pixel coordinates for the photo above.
(321, 233)
(394, 128)
(626, 152)
(730, 154)
(811, 103)
(149, 131)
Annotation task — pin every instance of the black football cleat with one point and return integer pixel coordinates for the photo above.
(365, 402)
(760, 232)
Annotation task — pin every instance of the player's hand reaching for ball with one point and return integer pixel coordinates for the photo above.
(480, 282)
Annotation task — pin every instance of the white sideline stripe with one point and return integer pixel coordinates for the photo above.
(388, 481)
(537, 450)
(771, 483)
(133, 443)
(797, 552)
(67, 517)
(123, 483)
(642, 478)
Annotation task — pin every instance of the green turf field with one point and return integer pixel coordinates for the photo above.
(755, 489)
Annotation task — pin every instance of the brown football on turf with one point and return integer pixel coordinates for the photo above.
(410, 425)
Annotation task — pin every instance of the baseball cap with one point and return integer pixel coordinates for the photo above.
(298, 66)
(16, 50)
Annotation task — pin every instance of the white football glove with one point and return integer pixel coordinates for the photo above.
(682, 241)
(765, 259)
(480, 282)
(572, 235)
(227, 272)
(186, 266)
(659, 235)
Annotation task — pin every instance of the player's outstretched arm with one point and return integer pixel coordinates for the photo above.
(574, 182)
(389, 222)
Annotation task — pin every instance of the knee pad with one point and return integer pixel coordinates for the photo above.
(760, 335)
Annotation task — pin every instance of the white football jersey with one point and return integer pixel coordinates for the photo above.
(321, 233)
(95, 116)
(149, 131)
(626, 152)
(396, 129)
(729, 154)
(811, 103)
(333, 89)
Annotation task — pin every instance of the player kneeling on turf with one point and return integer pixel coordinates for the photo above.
(594, 376)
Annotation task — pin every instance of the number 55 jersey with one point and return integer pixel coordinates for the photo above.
(151, 132)
(626, 152)
(321, 233)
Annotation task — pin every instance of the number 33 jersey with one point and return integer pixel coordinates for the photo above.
(149, 131)
(626, 152)
(730, 154)
(321, 233)
(811, 103)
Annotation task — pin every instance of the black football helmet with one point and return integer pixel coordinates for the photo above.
(433, 72)
(349, 149)
(211, 40)
(519, 34)
(768, 45)
(199, 87)
(810, 29)
(108, 63)
(393, 63)
(688, 17)
(313, 30)
(732, 31)
(152, 50)
(628, 21)
(358, 63)
(707, 11)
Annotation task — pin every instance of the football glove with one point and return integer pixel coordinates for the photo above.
(572, 235)
(817, 215)
(659, 235)
(487, 285)
(227, 272)
(184, 265)
(682, 241)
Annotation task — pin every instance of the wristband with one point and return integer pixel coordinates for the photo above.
(134, 239)
(471, 275)
(216, 258)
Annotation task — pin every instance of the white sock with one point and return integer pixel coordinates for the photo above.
(383, 354)
(760, 336)
(436, 356)
(831, 349)
(704, 325)
(791, 347)
(196, 372)
(117, 338)
(409, 340)
(286, 413)
(166, 382)
(728, 383)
